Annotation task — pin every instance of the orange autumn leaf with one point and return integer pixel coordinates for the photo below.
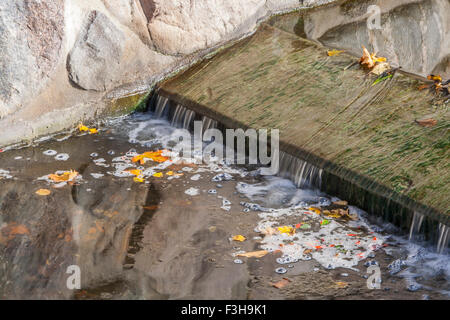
(154, 156)
(66, 176)
(370, 60)
(253, 254)
(135, 172)
(43, 192)
(282, 283)
(427, 122)
(436, 78)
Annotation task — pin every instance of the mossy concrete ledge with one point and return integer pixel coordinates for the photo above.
(363, 136)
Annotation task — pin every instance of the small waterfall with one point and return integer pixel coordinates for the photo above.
(443, 238)
(302, 173)
(161, 105)
(182, 117)
(416, 224)
(208, 123)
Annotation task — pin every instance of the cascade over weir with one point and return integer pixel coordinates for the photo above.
(353, 139)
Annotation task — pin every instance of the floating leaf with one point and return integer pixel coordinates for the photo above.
(158, 175)
(325, 222)
(253, 254)
(93, 130)
(43, 192)
(135, 172)
(315, 210)
(239, 238)
(286, 229)
(66, 176)
(305, 226)
(170, 173)
(334, 52)
(154, 156)
(82, 128)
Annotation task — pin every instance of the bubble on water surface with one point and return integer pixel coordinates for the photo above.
(62, 157)
(50, 153)
(280, 270)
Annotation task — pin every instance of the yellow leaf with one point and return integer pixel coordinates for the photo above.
(286, 229)
(158, 175)
(315, 210)
(82, 128)
(334, 52)
(253, 254)
(138, 179)
(341, 284)
(43, 192)
(239, 238)
(93, 130)
(169, 173)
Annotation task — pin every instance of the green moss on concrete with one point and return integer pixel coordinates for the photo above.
(277, 80)
(128, 104)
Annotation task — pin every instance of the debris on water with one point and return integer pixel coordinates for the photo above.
(97, 175)
(396, 266)
(219, 186)
(246, 210)
(192, 192)
(370, 263)
(62, 157)
(18, 158)
(238, 261)
(425, 297)
(94, 154)
(50, 153)
(344, 274)
(196, 177)
(222, 177)
(5, 174)
(413, 287)
(212, 191)
(111, 152)
(280, 270)
(324, 202)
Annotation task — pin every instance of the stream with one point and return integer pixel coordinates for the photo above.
(165, 227)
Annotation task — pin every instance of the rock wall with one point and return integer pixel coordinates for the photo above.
(63, 61)
(413, 34)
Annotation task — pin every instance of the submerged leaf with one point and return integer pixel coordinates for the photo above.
(43, 192)
(427, 122)
(253, 254)
(239, 238)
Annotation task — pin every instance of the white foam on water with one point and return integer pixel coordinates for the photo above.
(192, 192)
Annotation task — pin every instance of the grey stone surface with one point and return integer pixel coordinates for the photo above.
(414, 34)
(31, 35)
(94, 61)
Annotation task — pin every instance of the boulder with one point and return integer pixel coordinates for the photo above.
(95, 59)
(31, 35)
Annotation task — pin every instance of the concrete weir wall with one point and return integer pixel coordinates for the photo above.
(364, 136)
(66, 61)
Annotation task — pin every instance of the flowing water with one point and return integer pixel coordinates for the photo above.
(164, 229)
